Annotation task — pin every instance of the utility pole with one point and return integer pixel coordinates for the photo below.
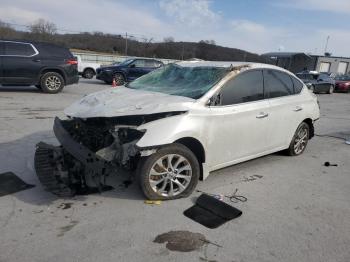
(126, 44)
(325, 49)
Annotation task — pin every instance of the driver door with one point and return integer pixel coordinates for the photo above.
(239, 124)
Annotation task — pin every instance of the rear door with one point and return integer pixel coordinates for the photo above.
(286, 107)
(20, 63)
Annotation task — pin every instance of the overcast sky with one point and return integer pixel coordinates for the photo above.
(254, 25)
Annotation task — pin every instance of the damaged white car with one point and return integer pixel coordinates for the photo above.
(177, 124)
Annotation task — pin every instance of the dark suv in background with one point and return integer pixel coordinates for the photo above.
(47, 66)
(127, 71)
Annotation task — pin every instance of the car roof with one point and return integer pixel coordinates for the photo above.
(227, 64)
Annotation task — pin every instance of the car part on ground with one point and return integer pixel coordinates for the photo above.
(177, 124)
(211, 212)
(46, 66)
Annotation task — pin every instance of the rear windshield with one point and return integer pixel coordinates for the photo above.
(172, 79)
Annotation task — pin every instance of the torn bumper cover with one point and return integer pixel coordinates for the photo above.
(87, 154)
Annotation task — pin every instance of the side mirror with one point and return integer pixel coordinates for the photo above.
(132, 66)
(320, 80)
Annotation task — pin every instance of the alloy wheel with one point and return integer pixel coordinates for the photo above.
(53, 83)
(170, 175)
(301, 140)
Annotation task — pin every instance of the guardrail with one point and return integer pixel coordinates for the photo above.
(105, 59)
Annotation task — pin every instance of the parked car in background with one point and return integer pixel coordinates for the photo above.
(87, 69)
(128, 70)
(48, 67)
(177, 124)
(342, 83)
(317, 82)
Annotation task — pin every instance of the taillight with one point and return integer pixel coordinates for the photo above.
(72, 61)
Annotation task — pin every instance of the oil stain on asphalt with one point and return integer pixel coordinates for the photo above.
(183, 241)
(67, 228)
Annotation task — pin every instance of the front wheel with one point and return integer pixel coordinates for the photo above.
(172, 172)
(331, 89)
(119, 79)
(300, 140)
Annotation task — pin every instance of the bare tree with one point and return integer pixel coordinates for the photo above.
(43, 27)
(6, 31)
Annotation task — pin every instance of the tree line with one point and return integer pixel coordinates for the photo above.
(46, 31)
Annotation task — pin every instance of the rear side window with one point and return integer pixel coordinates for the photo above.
(245, 87)
(277, 84)
(50, 50)
(298, 86)
(150, 63)
(18, 49)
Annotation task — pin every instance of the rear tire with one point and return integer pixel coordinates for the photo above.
(160, 180)
(52, 83)
(88, 73)
(300, 140)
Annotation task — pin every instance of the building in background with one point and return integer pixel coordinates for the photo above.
(297, 62)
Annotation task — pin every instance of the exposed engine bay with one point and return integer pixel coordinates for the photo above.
(91, 149)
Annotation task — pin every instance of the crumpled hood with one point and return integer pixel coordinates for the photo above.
(123, 101)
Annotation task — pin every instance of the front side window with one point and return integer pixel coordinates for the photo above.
(277, 84)
(178, 80)
(18, 49)
(245, 87)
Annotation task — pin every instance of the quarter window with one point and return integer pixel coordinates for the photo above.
(298, 86)
(245, 87)
(18, 49)
(277, 84)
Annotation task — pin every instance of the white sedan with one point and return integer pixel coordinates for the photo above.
(177, 124)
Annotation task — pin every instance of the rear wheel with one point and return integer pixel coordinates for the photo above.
(300, 140)
(52, 82)
(172, 172)
(88, 73)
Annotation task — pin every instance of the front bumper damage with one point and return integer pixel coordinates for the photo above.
(83, 160)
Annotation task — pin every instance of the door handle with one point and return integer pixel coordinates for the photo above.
(298, 108)
(36, 60)
(262, 115)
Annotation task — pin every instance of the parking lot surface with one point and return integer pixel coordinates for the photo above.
(297, 208)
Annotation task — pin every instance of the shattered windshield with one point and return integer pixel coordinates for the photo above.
(174, 79)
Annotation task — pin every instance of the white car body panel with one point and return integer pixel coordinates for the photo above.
(84, 65)
(228, 134)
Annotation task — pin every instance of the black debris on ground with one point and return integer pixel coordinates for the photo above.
(211, 212)
(10, 183)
